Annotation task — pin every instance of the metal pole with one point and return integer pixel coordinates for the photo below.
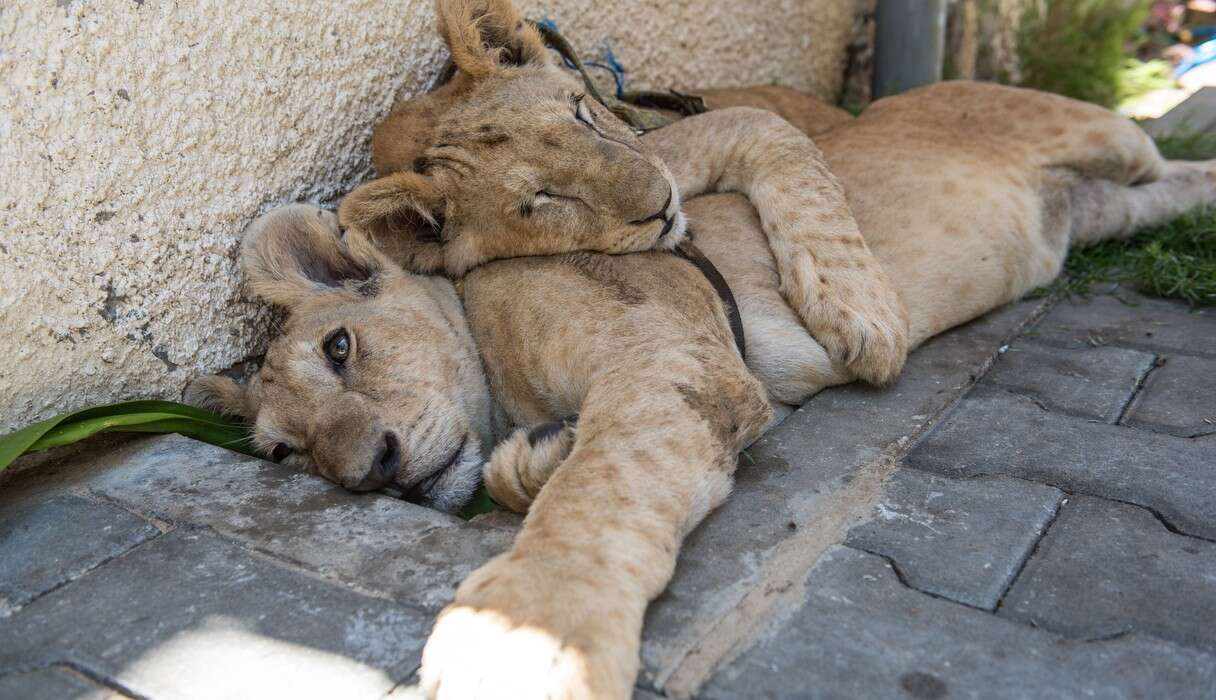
(909, 40)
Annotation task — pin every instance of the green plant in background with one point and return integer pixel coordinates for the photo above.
(1138, 77)
(1077, 47)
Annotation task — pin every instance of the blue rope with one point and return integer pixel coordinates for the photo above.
(617, 76)
(609, 62)
(618, 71)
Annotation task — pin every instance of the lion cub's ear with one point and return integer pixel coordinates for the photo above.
(403, 214)
(297, 251)
(486, 34)
(222, 395)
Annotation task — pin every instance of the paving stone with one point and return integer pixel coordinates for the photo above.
(963, 539)
(53, 683)
(1178, 397)
(995, 432)
(190, 615)
(1095, 382)
(1106, 568)
(379, 543)
(1137, 321)
(859, 633)
(796, 484)
(47, 542)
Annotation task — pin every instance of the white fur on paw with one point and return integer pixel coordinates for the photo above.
(483, 654)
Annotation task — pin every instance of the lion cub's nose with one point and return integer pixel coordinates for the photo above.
(384, 465)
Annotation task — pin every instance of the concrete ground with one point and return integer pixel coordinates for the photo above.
(1030, 512)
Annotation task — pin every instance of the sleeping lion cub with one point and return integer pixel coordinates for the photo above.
(931, 208)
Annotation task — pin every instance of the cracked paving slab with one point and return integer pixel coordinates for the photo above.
(1132, 320)
(1108, 568)
(992, 431)
(857, 632)
(190, 615)
(1179, 397)
(46, 542)
(962, 539)
(1089, 382)
(374, 542)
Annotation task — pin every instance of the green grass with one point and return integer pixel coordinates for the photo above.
(1175, 260)
(1196, 146)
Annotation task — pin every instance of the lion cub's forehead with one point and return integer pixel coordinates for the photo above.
(524, 91)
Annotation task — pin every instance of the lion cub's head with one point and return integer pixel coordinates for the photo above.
(510, 158)
(375, 380)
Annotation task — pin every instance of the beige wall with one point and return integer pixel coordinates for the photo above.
(138, 137)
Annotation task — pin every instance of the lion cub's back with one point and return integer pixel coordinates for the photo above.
(808, 113)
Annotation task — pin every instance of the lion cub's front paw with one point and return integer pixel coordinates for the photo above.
(864, 327)
(521, 464)
(480, 654)
(514, 632)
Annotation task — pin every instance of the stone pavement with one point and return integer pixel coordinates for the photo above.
(1029, 512)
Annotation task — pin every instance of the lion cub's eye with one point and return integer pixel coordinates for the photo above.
(337, 346)
(281, 452)
(583, 113)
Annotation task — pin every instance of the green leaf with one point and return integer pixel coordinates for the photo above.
(481, 503)
(155, 417)
(127, 416)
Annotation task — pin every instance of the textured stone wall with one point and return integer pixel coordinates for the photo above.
(138, 137)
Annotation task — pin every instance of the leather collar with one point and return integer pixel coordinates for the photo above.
(692, 254)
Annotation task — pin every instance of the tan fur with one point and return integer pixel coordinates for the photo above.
(808, 114)
(487, 143)
(965, 201)
(970, 193)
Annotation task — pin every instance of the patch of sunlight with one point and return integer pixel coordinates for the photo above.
(222, 658)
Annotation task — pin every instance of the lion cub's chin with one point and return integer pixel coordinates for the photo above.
(677, 234)
(456, 485)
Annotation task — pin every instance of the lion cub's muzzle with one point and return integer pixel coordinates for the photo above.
(660, 215)
(666, 214)
(383, 468)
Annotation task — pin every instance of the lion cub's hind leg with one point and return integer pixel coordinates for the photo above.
(521, 464)
(1103, 209)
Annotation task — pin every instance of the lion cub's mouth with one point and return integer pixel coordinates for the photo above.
(421, 490)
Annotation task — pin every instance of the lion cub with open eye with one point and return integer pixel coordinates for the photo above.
(374, 381)
(511, 160)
